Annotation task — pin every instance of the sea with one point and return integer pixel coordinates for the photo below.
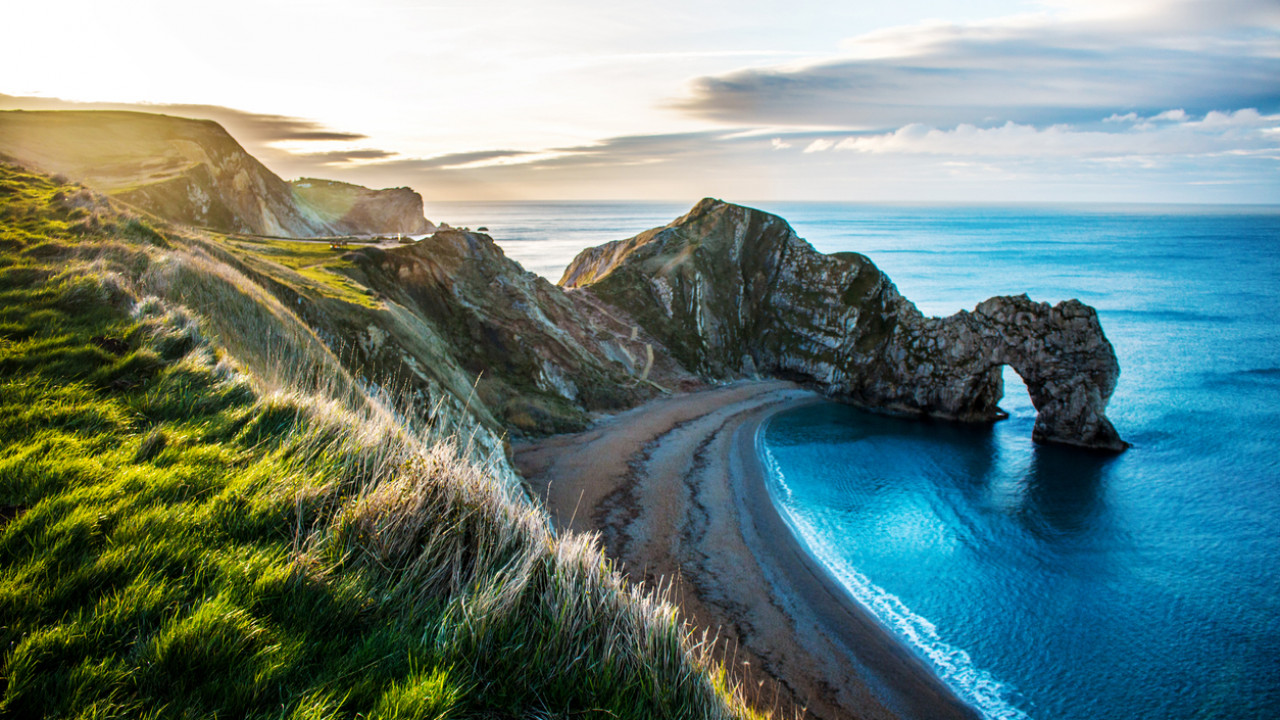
(1039, 581)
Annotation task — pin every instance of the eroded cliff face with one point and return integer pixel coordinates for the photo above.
(540, 360)
(733, 291)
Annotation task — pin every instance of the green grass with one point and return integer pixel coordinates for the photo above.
(180, 539)
(316, 262)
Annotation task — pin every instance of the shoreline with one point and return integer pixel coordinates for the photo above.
(899, 674)
(678, 492)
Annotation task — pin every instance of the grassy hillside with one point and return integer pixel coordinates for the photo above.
(206, 512)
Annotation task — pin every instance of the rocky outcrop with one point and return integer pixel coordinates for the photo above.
(193, 172)
(733, 291)
(355, 210)
(541, 360)
(951, 367)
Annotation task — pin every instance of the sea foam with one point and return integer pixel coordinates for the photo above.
(977, 687)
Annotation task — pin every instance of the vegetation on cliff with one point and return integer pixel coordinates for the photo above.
(206, 511)
(193, 172)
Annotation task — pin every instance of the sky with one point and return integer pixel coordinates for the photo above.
(983, 101)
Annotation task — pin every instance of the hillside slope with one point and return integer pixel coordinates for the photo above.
(193, 172)
(209, 507)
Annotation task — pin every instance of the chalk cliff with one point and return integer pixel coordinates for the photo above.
(733, 291)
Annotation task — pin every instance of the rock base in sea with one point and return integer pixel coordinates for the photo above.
(732, 291)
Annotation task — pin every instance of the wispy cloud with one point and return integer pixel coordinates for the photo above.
(1171, 132)
(345, 157)
(1198, 56)
(450, 161)
(1170, 155)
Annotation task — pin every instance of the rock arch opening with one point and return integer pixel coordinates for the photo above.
(1015, 401)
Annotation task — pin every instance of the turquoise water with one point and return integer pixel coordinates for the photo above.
(1053, 583)
(1044, 582)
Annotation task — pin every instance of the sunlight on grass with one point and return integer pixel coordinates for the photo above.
(313, 260)
(180, 537)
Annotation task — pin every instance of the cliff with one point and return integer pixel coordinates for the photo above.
(540, 359)
(193, 172)
(733, 291)
(356, 210)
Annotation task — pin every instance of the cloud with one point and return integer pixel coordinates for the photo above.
(1170, 133)
(1194, 55)
(1178, 115)
(658, 166)
(1167, 155)
(459, 160)
(344, 157)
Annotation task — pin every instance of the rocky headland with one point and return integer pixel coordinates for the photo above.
(194, 173)
(733, 292)
(357, 210)
(538, 360)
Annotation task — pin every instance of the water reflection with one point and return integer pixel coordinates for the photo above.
(1064, 488)
(968, 471)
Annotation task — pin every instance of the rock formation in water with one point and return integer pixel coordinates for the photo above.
(193, 172)
(733, 291)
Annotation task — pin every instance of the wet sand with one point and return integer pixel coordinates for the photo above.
(678, 494)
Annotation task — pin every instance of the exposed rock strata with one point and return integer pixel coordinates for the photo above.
(540, 359)
(733, 291)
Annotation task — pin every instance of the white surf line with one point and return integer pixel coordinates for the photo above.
(954, 666)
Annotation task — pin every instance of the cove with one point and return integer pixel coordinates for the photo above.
(1030, 577)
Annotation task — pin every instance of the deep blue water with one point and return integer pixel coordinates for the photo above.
(1041, 581)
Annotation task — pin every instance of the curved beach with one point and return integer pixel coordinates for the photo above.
(676, 490)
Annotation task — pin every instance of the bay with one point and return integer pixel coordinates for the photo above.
(1039, 581)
